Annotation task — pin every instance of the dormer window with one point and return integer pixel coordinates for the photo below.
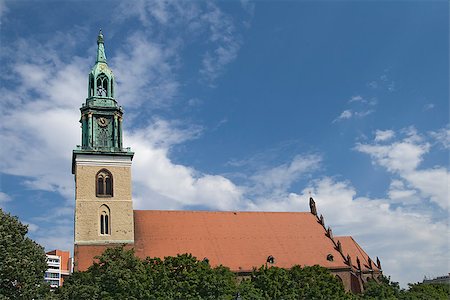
(104, 183)
(102, 85)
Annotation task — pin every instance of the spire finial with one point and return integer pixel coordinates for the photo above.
(100, 37)
(101, 56)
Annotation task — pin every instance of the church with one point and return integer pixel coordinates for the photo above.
(239, 240)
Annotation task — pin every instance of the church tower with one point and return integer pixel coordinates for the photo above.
(101, 165)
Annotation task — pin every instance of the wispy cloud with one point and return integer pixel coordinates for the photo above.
(403, 158)
(383, 135)
(428, 106)
(218, 31)
(4, 198)
(346, 114)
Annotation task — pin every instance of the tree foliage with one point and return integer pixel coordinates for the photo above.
(296, 283)
(22, 262)
(118, 274)
(427, 292)
(386, 289)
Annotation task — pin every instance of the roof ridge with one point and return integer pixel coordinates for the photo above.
(223, 211)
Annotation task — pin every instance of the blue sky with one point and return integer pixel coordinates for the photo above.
(242, 106)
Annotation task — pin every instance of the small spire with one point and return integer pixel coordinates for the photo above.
(378, 263)
(358, 262)
(101, 56)
(370, 263)
(339, 247)
(321, 220)
(349, 260)
(312, 206)
(329, 232)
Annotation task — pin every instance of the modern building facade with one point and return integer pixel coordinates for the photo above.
(60, 265)
(104, 214)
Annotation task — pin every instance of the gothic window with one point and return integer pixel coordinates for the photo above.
(102, 85)
(112, 88)
(105, 220)
(104, 184)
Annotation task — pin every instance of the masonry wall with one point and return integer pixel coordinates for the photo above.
(87, 206)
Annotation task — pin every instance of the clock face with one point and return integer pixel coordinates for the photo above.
(103, 122)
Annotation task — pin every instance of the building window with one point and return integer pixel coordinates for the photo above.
(102, 85)
(104, 184)
(105, 220)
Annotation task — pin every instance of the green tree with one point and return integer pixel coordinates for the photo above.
(119, 274)
(296, 283)
(274, 283)
(317, 282)
(22, 262)
(427, 292)
(384, 289)
(185, 277)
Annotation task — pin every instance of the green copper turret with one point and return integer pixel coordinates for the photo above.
(101, 117)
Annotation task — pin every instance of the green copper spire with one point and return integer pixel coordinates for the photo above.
(101, 78)
(101, 116)
(101, 56)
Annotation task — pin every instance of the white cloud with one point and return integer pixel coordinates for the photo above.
(356, 98)
(197, 20)
(442, 137)
(224, 40)
(384, 135)
(400, 193)
(395, 235)
(160, 183)
(428, 106)
(31, 226)
(373, 84)
(146, 73)
(4, 198)
(346, 114)
(280, 178)
(403, 159)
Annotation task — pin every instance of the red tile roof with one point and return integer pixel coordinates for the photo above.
(352, 248)
(238, 240)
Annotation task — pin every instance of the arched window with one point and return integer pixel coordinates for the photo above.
(105, 220)
(102, 85)
(104, 184)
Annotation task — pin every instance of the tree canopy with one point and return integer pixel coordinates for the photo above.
(386, 289)
(22, 262)
(119, 274)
